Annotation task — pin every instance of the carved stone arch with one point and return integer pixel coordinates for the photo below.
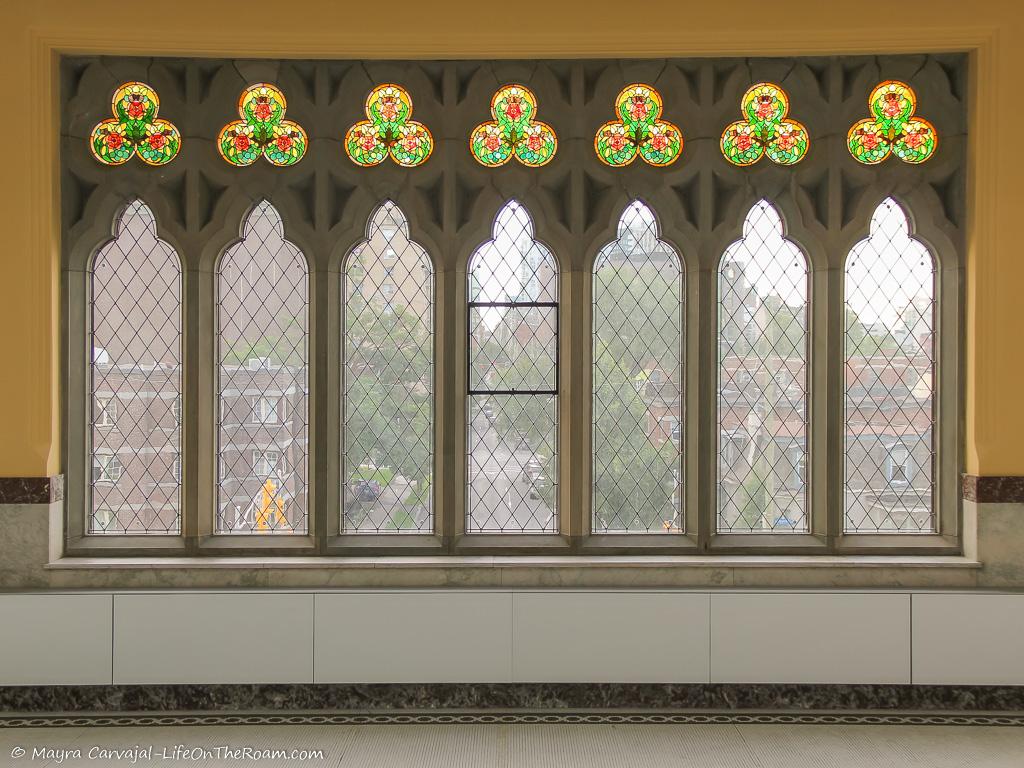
(226, 226)
(535, 235)
(535, 211)
(923, 211)
(659, 227)
(104, 214)
(342, 252)
(928, 223)
(791, 217)
(248, 209)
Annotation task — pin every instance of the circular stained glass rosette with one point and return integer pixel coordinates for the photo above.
(764, 105)
(110, 143)
(663, 144)
(262, 105)
(237, 143)
(489, 146)
(412, 145)
(135, 104)
(536, 145)
(514, 106)
(388, 105)
(160, 144)
(892, 103)
(917, 142)
(364, 145)
(613, 145)
(789, 144)
(867, 142)
(741, 144)
(287, 144)
(638, 105)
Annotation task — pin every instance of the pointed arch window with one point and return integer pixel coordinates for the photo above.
(763, 294)
(262, 325)
(638, 374)
(135, 380)
(889, 379)
(388, 381)
(512, 408)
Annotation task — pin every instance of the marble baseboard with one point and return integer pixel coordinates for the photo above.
(31, 490)
(993, 489)
(509, 698)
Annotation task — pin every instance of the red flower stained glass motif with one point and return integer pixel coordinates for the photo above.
(891, 105)
(388, 131)
(638, 108)
(514, 108)
(135, 129)
(638, 130)
(262, 130)
(892, 128)
(513, 131)
(263, 110)
(492, 141)
(764, 129)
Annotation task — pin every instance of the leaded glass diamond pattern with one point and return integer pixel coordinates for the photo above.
(637, 406)
(135, 378)
(513, 480)
(890, 370)
(262, 285)
(387, 472)
(514, 349)
(513, 381)
(762, 389)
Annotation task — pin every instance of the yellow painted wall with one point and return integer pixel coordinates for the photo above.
(32, 30)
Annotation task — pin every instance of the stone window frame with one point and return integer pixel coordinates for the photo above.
(826, 202)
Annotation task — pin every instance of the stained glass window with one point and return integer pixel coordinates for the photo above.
(765, 129)
(892, 128)
(514, 131)
(135, 129)
(638, 131)
(262, 130)
(262, 311)
(762, 379)
(890, 375)
(389, 130)
(638, 368)
(388, 380)
(512, 410)
(135, 380)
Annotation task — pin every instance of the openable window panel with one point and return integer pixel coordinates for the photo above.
(543, 312)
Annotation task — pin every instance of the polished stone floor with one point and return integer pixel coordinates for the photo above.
(524, 746)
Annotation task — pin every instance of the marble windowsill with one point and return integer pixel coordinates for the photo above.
(521, 562)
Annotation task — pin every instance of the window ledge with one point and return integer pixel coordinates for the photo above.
(530, 562)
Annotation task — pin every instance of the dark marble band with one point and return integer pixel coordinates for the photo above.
(561, 717)
(509, 697)
(31, 490)
(993, 489)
